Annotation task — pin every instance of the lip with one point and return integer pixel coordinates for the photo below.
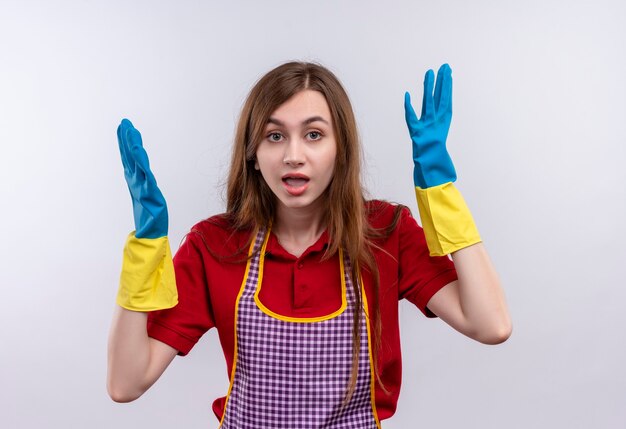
(295, 190)
(295, 176)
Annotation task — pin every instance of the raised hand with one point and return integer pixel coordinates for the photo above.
(447, 222)
(149, 207)
(147, 282)
(433, 165)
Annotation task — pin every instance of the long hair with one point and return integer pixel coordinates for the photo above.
(251, 203)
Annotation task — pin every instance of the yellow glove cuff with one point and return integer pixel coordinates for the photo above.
(147, 282)
(447, 222)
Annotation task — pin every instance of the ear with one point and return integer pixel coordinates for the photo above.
(256, 165)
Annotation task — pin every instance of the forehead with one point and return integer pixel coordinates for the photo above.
(303, 105)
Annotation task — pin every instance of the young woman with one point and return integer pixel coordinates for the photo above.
(301, 276)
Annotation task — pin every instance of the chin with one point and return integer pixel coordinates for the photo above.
(302, 202)
(296, 204)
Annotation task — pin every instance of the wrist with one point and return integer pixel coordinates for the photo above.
(447, 221)
(147, 281)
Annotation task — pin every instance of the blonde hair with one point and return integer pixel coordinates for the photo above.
(251, 203)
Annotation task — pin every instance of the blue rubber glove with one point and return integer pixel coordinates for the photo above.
(433, 165)
(149, 207)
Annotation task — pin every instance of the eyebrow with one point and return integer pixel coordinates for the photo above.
(305, 122)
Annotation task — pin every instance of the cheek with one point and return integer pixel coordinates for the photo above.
(264, 164)
(331, 159)
(261, 157)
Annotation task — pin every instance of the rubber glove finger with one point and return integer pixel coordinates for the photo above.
(428, 108)
(143, 173)
(138, 152)
(409, 113)
(445, 96)
(124, 146)
(438, 85)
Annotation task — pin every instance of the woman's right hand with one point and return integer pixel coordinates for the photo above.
(149, 207)
(147, 282)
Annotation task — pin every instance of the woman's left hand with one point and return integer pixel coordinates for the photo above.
(433, 165)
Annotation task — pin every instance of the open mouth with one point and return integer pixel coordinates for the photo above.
(295, 184)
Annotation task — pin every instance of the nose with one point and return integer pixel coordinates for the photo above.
(294, 153)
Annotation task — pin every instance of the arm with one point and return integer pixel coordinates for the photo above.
(135, 361)
(147, 282)
(474, 304)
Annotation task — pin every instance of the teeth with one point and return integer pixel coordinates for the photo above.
(295, 182)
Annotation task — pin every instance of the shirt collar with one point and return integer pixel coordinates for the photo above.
(275, 249)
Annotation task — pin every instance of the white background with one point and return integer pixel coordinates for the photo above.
(537, 139)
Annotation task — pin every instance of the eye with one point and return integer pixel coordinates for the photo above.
(274, 137)
(315, 135)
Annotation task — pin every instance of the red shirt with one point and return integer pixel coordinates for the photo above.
(209, 277)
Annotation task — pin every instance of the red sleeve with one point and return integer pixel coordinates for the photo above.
(182, 326)
(421, 275)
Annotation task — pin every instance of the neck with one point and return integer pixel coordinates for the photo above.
(298, 227)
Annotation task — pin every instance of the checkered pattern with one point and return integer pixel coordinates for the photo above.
(295, 374)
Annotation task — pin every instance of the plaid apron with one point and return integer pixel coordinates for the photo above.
(293, 373)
